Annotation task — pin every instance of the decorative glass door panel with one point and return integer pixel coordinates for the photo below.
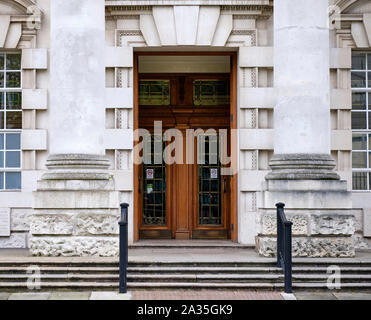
(210, 211)
(154, 187)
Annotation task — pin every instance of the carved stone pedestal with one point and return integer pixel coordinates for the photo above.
(76, 208)
(317, 203)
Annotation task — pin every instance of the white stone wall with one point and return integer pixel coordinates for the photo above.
(20, 25)
(354, 33)
(229, 25)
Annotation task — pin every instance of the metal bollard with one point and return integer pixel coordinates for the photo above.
(123, 247)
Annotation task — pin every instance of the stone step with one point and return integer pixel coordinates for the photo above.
(220, 278)
(113, 285)
(51, 270)
(177, 269)
(345, 265)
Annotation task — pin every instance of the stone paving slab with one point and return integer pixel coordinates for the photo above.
(30, 296)
(4, 296)
(104, 295)
(70, 296)
(185, 294)
(205, 295)
(352, 296)
(315, 296)
(179, 255)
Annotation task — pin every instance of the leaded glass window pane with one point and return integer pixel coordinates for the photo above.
(209, 182)
(211, 92)
(154, 185)
(154, 92)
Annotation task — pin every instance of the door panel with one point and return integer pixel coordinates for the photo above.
(212, 195)
(185, 201)
(154, 185)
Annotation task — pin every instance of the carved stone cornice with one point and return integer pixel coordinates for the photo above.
(255, 9)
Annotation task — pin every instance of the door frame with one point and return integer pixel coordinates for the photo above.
(233, 220)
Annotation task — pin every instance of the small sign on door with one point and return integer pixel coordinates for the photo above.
(150, 173)
(214, 173)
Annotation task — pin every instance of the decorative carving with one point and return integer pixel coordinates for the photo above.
(254, 77)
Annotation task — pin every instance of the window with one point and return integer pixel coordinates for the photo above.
(154, 92)
(211, 92)
(10, 121)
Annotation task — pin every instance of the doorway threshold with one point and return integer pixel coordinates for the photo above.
(163, 244)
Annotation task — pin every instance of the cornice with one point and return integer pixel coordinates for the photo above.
(187, 2)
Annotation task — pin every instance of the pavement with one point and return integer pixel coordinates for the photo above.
(214, 295)
(190, 253)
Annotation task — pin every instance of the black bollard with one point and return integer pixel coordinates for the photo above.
(123, 247)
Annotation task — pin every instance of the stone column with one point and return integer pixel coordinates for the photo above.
(75, 205)
(303, 173)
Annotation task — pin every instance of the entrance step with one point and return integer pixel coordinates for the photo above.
(201, 244)
(176, 268)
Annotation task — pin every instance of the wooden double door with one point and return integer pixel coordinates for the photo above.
(184, 195)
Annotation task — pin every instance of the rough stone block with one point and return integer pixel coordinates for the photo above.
(20, 219)
(299, 227)
(367, 222)
(75, 246)
(360, 242)
(52, 224)
(315, 247)
(15, 241)
(96, 224)
(332, 224)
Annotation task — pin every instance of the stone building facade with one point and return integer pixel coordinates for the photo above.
(299, 106)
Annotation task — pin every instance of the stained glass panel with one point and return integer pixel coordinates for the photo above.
(154, 189)
(209, 182)
(154, 92)
(211, 92)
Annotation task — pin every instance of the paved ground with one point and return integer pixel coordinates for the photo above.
(181, 254)
(187, 295)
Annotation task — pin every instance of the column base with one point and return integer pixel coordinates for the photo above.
(317, 203)
(76, 208)
(300, 166)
